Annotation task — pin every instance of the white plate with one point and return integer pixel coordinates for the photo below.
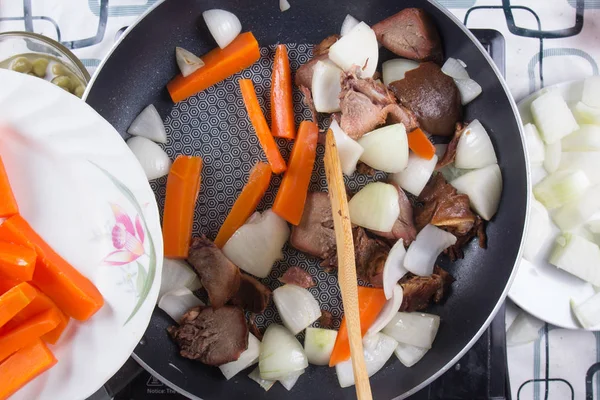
(540, 288)
(72, 175)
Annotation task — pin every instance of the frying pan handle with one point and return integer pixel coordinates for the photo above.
(499, 386)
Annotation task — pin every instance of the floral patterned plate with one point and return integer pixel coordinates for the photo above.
(81, 188)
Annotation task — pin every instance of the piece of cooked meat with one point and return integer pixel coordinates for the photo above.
(213, 337)
(219, 276)
(304, 74)
(323, 47)
(419, 291)
(370, 255)
(450, 154)
(252, 295)
(410, 34)
(432, 96)
(455, 251)
(308, 100)
(297, 276)
(404, 227)
(326, 319)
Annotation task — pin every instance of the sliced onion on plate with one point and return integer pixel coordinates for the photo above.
(358, 47)
(281, 355)
(416, 329)
(177, 302)
(187, 61)
(257, 244)
(587, 138)
(535, 144)
(291, 380)
(386, 149)
(318, 345)
(586, 161)
(154, 161)
(475, 149)
(416, 174)
(577, 256)
(468, 89)
(524, 329)
(537, 231)
(246, 359)
(553, 117)
(264, 383)
(176, 274)
(296, 306)
(588, 312)
(149, 124)
(223, 25)
(284, 5)
(396, 69)
(484, 188)
(591, 91)
(585, 114)
(424, 250)
(576, 213)
(326, 87)
(349, 23)
(393, 269)
(409, 355)
(552, 156)
(375, 207)
(389, 310)
(377, 348)
(348, 149)
(560, 188)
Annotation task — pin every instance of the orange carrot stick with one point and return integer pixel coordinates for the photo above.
(183, 186)
(420, 144)
(219, 64)
(72, 292)
(290, 199)
(23, 366)
(246, 203)
(27, 332)
(370, 303)
(15, 300)
(282, 107)
(260, 127)
(8, 203)
(6, 284)
(17, 262)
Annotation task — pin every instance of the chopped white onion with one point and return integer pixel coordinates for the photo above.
(187, 61)
(416, 174)
(264, 383)
(223, 25)
(561, 187)
(377, 349)
(154, 161)
(585, 114)
(591, 91)
(552, 117)
(475, 149)
(535, 145)
(587, 161)
(577, 256)
(281, 355)
(424, 250)
(577, 212)
(326, 87)
(416, 329)
(588, 312)
(176, 274)
(395, 70)
(296, 306)
(348, 149)
(468, 89)
(284, 5)
(552, 156)
(587, 138)
(450, 172)
(523, 330)
(538, 230)
(177, 302)
(409, 355)
(246, 359)
(484, 188)
(386, 149)
(149, 124)
(349, 23)
(318, 345)
(257, 244)
(389, 310)
(358, 47)
(393, 269)
(454, 69)
(291, 380)
(375, 207)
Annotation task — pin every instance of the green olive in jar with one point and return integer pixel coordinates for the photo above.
(63, 82)
(59, 69)
(39, 67)
(79, 91)
(21, 64)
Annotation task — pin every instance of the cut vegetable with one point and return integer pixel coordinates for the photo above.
(377, 348)
(223, 26)
(577, 256)
(553, 117)
(561, 188)
(219, 64)
(455, 69)
(291, 196)
(450, 172)
(149, 124)
(291, 380)
(296, 306)
(588, 312)
(349, 23)
(591, 91)
(393, 269)
(585, 114)
(484, 188)
(553, 156)
(8, 203)
(177, 302)
(284, 5)
(258, 244)
(409, 355)
(587, 138)
(475, 149)
(176, 274)
(15, 300)
(187, 62)
(388, 311)
(326, 87)
(468, 89)
(524, 329)
(375, 207)
(183, 187)
(348, 149)
(282, 107)
(281, 355)
(416, 174)
(577, 212)
(424, 250)
(535, 145)
(318, 345)
(386, 149)
(420, 144)
(538, 231)
(358, 47)
(154, 161)
(588, 162)
(16, 261)
(246, 359)
(264, 383)
(394, 70)
(244, 206)
(416, 329)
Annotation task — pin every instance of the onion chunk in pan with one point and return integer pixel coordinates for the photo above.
(386, 149)
(484, 188)
(357, 47)
(475, 149)
(348, 149)
(281, 355)
(296, 306)
(318, 345)
(177, 302)
(247, 358)
(223, 25)
(416, 329)
(424, 250)
(375, 207)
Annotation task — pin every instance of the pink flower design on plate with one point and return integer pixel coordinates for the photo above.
(127, 238)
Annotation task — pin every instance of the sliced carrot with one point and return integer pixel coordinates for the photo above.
(370, 303)
(16, 261)
(219, 64)
(290, 199)
(6, 284)
(183, 186)
(8, 203)
(72, 292)
(246, 203)
(260, 127)
(24, 365)
(27, 332)
(282, 106)
(420, 144)
(15, 300)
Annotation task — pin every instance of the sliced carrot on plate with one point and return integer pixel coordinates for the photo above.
(282, 105)
(15, 300)
(8, 203)
(16, 261)
(6, 284)
(420, 144)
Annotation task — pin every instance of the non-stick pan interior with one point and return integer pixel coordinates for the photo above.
(214, 125)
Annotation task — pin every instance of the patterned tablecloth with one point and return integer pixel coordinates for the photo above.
(554, 363)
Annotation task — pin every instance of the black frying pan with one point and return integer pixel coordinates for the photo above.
(135, 74)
